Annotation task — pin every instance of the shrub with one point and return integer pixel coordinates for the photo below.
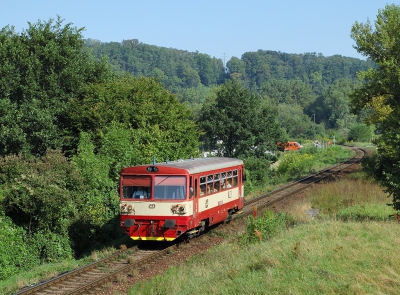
(360, 132)
(265, 226)
(258, 169)
(50, 247)
(14, 253)
(295, 164)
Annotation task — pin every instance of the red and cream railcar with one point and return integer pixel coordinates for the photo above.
(164, 201)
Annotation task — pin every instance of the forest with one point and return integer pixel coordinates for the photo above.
(74, 111)
(299, 85)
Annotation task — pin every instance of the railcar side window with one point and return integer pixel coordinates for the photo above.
(228, 180)
(210, 184)
(235, 178)
(217, 182)
(170, 187)
(203, 186)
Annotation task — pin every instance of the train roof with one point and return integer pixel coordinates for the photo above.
(198, 165)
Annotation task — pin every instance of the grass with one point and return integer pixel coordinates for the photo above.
(333, 253)
(331, 257)
(351, 194)
(297, 164)
(48, 271)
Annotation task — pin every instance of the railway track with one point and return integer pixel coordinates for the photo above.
(92, 278)
(288, 190)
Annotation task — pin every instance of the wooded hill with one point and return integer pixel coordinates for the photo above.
(301, 85)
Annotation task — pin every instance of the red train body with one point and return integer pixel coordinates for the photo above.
(164, 201)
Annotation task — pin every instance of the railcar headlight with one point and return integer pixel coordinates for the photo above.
(178, 209)
(127, 208)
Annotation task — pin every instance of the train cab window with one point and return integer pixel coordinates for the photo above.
(140, 192)
(136, 186)
(170, 187)
(203, 185)
(235, 178)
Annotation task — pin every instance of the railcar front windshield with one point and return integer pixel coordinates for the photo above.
(136, 187)
(169, 187)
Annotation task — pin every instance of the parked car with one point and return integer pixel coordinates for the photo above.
(289, 146)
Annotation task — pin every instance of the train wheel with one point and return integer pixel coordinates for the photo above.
(228, 217)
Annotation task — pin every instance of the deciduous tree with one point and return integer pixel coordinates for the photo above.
(381, 43)
(160, 124)
(244, 124)
(41, 69)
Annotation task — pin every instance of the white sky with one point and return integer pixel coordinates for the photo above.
(221, 29)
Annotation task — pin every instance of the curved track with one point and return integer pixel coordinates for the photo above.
(300, 185)
(88, 279)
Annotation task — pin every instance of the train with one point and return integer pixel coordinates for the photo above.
(167, 200)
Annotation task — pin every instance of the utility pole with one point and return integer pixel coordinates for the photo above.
(224, 63)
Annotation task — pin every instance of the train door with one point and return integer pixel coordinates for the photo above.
(195, 200)
(241, 185)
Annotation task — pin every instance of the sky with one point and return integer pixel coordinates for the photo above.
(221, 29)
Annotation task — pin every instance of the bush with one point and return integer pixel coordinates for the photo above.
(14, 253)
(258, 169)
(50, 247)
(265, 226)
(360, 132)
(295, 164)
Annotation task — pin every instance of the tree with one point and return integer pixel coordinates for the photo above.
(293, 120)
(335, 103)
(195, 97)
(236, 65)
(42, 196)
(294, 92)
(242, 122)
(206, 69)
(381, 44)
(360, 132)
(41, 69)
(159, 124)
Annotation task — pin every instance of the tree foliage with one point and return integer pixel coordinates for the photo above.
(42, 196)
(360, 132)
(41, 69)
(294, 121)
(15, 254)
(380, 43)
(242, 123)
(175, 68)
(160, 124)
